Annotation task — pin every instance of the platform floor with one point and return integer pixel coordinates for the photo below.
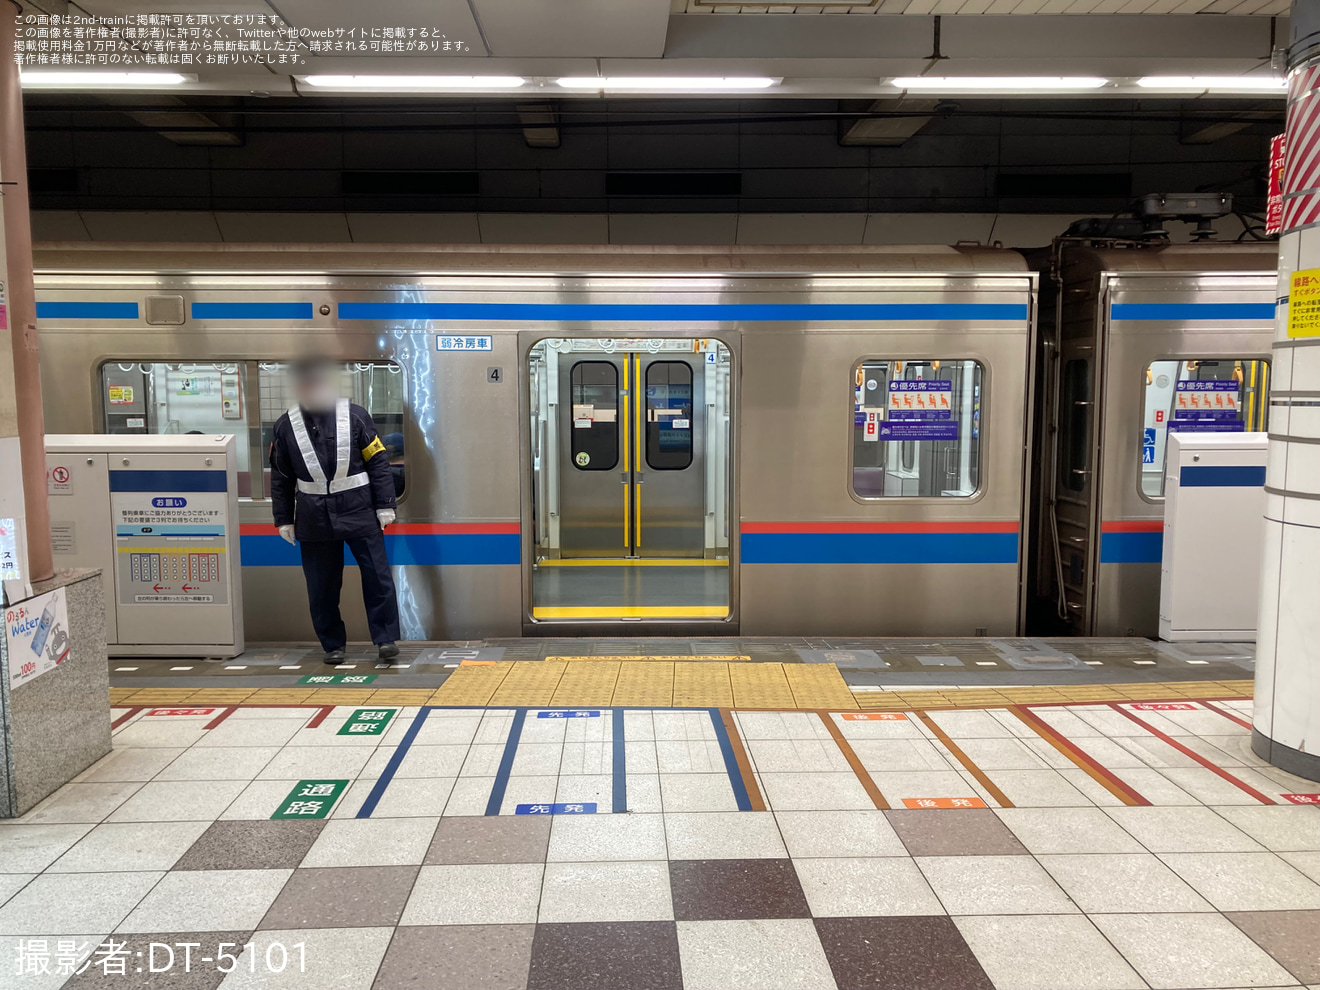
(900, 839)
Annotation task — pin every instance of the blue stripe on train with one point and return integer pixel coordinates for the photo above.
(87, 310)
(674, 312)
(879, 548)
(1222, 476)
(1131, 548)
(426, 549)
(252, 311)
(1191, 311)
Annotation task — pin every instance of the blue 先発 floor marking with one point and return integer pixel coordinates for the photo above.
(730, 761)
(391, 768)
(565, 808)
(506, 762)
(620, 764)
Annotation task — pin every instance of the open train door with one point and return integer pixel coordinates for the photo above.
(631, 484)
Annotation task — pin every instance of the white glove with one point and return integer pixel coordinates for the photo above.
(287, 533)
(386, 516)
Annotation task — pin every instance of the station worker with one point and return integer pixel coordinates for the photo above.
(330, 484)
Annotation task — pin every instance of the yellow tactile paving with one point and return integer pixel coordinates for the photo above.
(760, 685)
(401, 696)
(644, 658)
(818, 685)
(876, 700)
(471, 685)
(702, 685)
(529, 682)
(159, 696)
(1080, 694)
(587, 684)
(343, 696)
(1195, 689)
(662, 683)
(645, 685)
(1142, 692)
(1027, 695)
(282, 696)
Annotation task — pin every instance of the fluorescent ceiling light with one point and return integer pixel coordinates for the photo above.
(414, 82)
(1004, 83)
(1222, 84)
(102, 79)
(662, 84)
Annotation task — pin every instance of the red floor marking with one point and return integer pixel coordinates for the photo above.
(221, 717)
(1232, 718)
(1088, 764)
(1193, 754)
(125, 717)
(322, 714)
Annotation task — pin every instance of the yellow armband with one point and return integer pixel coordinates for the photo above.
(372, 449)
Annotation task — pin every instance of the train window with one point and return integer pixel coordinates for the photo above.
(669, 415)
(595, 413)
(916, 428)
(158, 398)
(376, 386)
(1210, 395)
(1075, 425)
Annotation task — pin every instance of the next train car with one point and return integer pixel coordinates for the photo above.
(1140, 340)
(600, 440)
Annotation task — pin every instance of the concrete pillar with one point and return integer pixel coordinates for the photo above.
(1286, 727)
(20, 375)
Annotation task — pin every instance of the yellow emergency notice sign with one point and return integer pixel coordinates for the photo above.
(1304, 303)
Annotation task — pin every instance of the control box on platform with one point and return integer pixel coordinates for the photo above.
(1214, 509)
(159, 516)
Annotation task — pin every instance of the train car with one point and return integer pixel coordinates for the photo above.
(1141, 339)
(596, 440)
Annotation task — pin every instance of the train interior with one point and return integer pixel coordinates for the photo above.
(200, 397)
(632, 479)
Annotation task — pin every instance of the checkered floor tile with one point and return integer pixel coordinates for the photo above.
(1098, 847)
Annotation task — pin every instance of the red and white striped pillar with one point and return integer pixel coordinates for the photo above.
(1286, 729)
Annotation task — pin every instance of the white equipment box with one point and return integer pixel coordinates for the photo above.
(159, 516)
(1214, 508)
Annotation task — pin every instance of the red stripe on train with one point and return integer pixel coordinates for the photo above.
(880, 527)
(410, 529)
(1132, 526)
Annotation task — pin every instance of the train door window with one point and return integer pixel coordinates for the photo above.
(669, 415)
(1208, 395)
(179, 399)
(376, 386)
(1075, 425)
(595, 398)
(916, 428)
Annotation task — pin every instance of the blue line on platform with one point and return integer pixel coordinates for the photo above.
(391, 768)
(506, 762)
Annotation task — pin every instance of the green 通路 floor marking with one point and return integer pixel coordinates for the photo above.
(367, 722)
(336, 678)
(311, 799)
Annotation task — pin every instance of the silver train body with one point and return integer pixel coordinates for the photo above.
(827, 528)
(1132, 335)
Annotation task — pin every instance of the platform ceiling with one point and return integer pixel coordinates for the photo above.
(832, 50)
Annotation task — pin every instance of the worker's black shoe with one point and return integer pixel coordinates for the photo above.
(388, 651)
(335, 657)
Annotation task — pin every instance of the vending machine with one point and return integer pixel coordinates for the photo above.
(159, 516)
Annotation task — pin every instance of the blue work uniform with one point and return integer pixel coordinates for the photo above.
(329, 473)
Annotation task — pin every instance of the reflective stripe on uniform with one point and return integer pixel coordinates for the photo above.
(342, 481)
